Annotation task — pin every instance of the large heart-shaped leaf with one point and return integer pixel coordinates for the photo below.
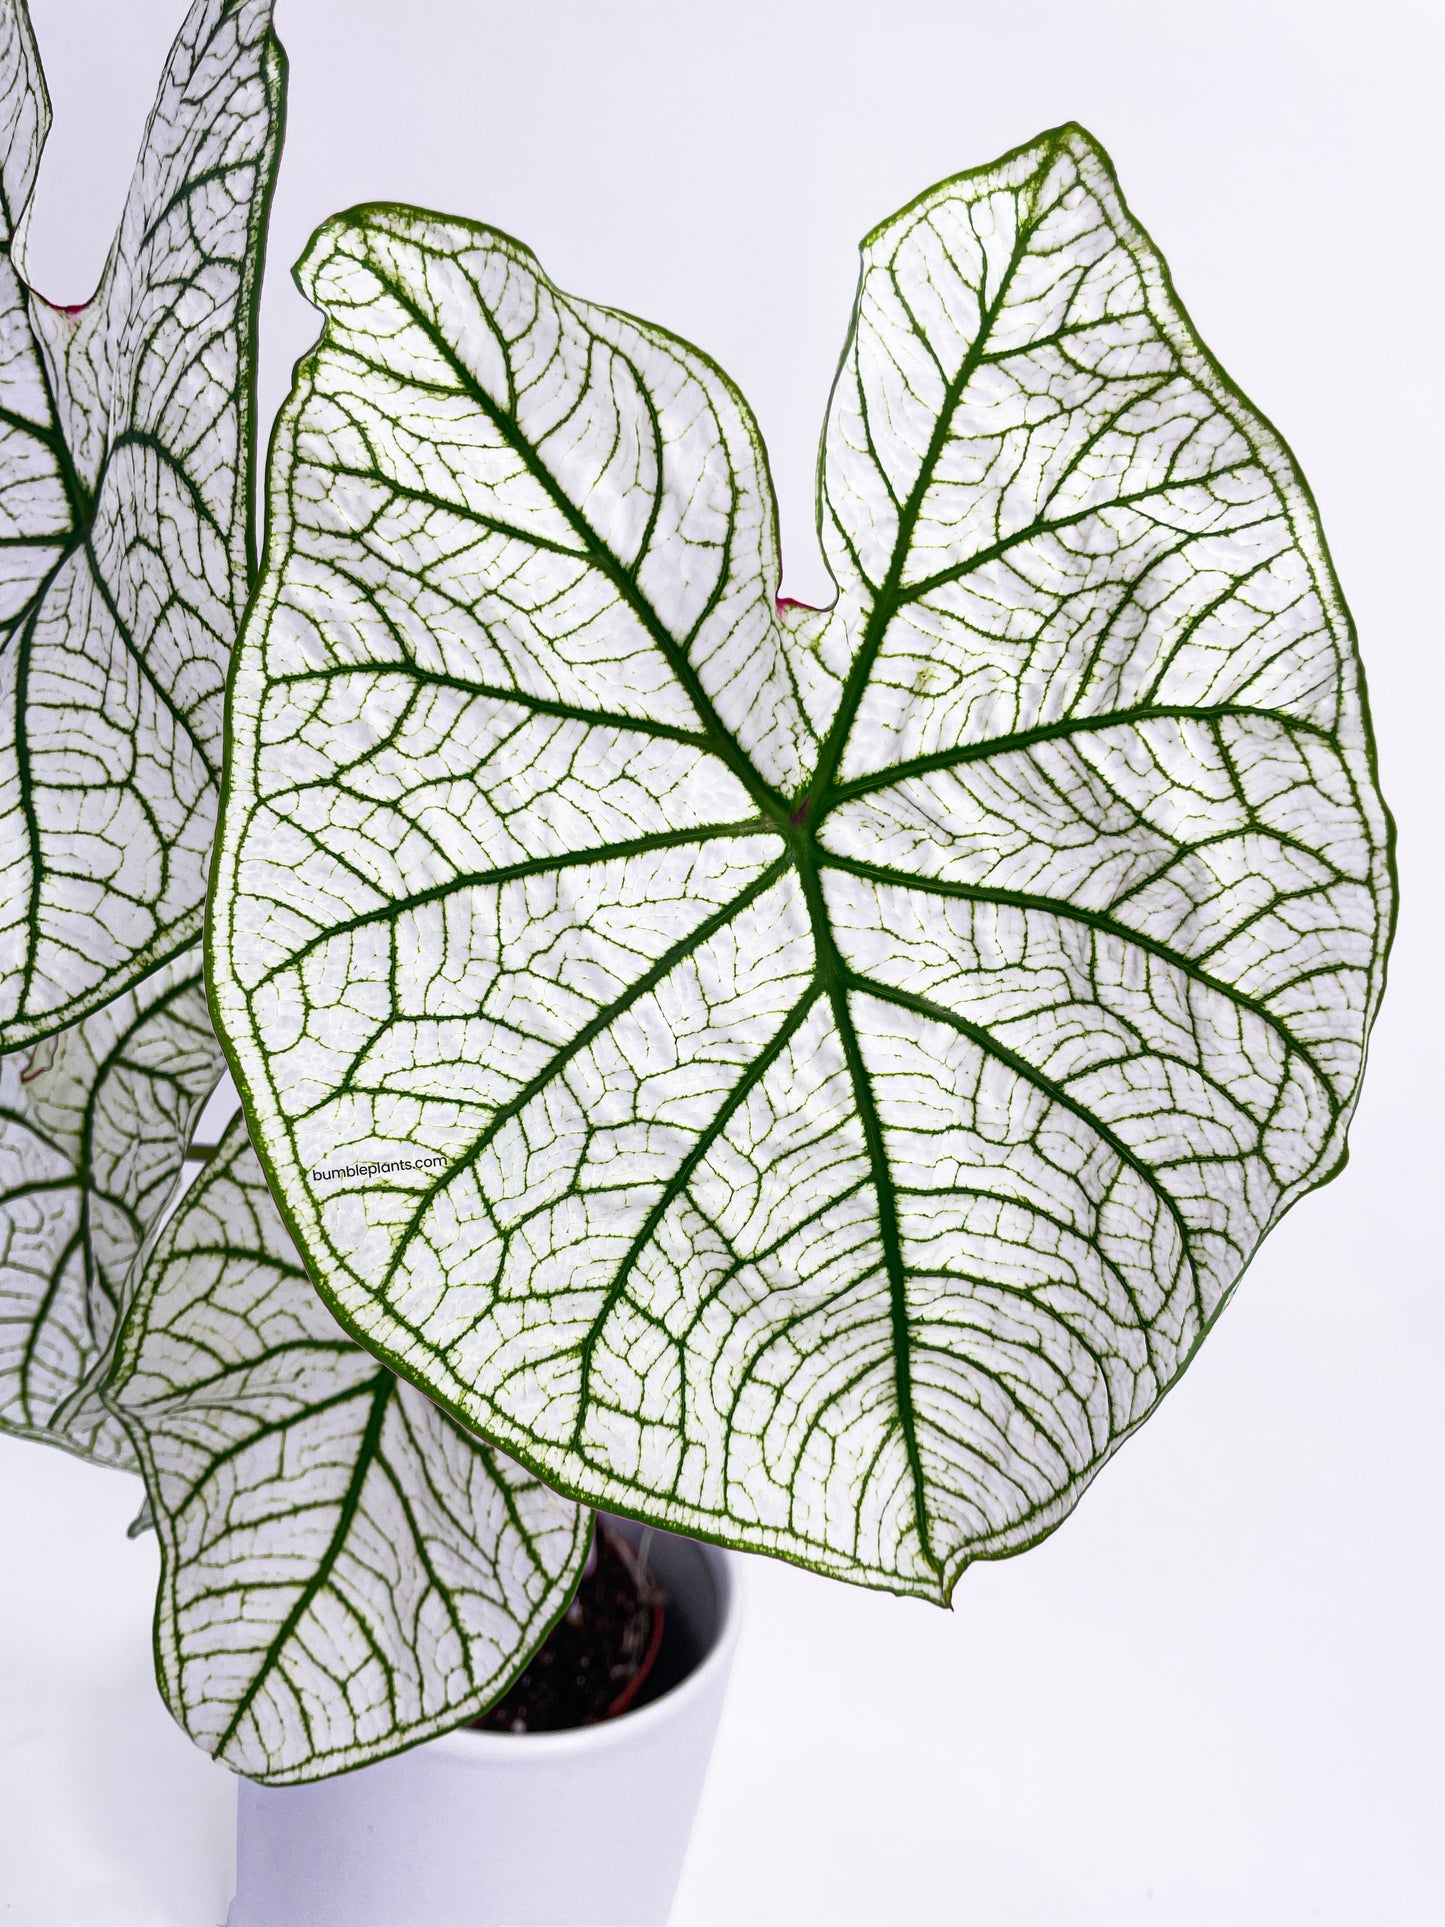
(344, 1570)
(94, 1125)
(125, 524)
(806, 1078)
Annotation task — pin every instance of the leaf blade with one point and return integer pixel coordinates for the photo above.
(93, 1130)
(861, 1222)
(344, 1571)
(115, 640)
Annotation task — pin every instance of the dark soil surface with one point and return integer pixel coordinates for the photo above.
(599, 1653)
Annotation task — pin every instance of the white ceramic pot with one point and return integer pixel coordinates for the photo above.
(586, 1828)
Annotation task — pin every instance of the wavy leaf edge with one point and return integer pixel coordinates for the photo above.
(379, 1331)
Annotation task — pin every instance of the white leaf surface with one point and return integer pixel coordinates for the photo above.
(125, 524)
(94, 1125)
(345, 1571)
(805, 1078)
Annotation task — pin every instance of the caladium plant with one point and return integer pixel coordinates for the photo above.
(806, 1078)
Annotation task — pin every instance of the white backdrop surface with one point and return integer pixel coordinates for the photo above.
(1215, 1696)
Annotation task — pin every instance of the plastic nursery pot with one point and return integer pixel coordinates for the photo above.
(583, 1828)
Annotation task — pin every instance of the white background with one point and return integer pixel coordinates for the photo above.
(1214, 1697)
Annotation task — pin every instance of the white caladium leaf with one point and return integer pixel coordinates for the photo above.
(345, 1571)
(805, 1078)
(125, 524)
(94, 1125)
